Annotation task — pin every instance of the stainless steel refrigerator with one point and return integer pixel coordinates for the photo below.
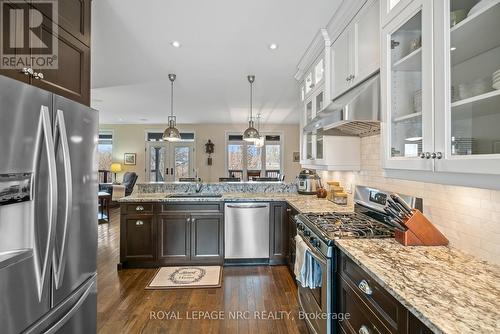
(48, 212)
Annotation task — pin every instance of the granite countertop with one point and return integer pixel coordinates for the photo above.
(302, 203)
(449, 291)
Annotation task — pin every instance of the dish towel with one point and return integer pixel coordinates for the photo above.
(307, 270)
(300, 259)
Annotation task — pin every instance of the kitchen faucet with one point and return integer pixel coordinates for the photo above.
(199, 183)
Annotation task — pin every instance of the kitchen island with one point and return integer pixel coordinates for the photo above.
(159, 229)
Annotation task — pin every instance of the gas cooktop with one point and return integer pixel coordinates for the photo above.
(348, 225)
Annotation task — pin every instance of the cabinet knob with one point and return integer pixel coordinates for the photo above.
(364, 330)
(288, 210)
(365, 288)
(439, 155)
(139, 223)
(38, 76)
(27, 70)
(139, 208)
(425, 155)
(188, 219)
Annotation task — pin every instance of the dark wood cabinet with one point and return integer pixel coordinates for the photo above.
(361, 319)
(182, 233)
(292, 232)
(174, 239)
(71, 79)
(416, 326)
(278, 238)
(388, 309)
(207, 234)
(138, 240)
(370, 305)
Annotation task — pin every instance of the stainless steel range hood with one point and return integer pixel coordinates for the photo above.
(354, 113)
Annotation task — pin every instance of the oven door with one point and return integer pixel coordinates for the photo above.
(316, 303)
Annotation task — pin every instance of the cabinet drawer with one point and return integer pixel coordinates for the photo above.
(385, 306)
(361, 319)
(193, 206)
(139, 208)
(139, 239)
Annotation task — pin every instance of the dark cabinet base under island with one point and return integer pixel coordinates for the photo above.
(155, 234)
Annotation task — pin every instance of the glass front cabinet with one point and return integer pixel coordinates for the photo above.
(441, 87)
(407, 87)
(468, 89)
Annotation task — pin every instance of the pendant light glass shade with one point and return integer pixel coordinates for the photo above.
(251, 134)
(171, 133)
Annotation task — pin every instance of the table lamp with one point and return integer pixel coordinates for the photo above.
(116, 167)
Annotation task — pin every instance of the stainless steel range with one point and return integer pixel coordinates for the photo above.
(318, 231)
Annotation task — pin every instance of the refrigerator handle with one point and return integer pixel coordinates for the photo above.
(45, 135)
(58, 260)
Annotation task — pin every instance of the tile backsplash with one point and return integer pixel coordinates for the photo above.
(469, 217)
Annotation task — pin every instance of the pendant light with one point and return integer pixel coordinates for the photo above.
(171, 133)
(251, 134)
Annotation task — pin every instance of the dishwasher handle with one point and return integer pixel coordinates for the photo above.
(255, 206)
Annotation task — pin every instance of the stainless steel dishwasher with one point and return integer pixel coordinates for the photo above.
(246, 231)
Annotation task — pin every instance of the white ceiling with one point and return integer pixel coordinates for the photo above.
(222, 41)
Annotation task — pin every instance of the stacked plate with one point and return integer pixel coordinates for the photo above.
(496, 80)
(462, 145)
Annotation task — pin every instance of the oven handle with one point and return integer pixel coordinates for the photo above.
(317, 256)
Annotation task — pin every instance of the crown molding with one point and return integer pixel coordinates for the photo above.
(324, 38)
(319, 43)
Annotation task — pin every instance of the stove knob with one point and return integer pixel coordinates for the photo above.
(307, 233)
(300, 226)
(317, 244)
(312, 240)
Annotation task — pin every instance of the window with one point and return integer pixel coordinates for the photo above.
(105, 149)
(246, 161)
(169, 161)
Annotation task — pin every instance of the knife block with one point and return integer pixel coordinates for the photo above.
(421, 232)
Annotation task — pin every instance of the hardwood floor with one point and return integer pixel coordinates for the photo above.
(265, 296)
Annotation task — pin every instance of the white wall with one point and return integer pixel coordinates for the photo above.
(469, 217)
(130, 138)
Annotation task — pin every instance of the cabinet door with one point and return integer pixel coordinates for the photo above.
(415, 326)
(72, 77)
(207, 233)
(366, 42)
(341, 65)
(467, 88)
(279, 233)
(7, 34)
(138, 241)
(407, 89)
(74, 17)
(174, 242)
(389, 9)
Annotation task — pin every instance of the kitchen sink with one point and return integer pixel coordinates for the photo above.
(195, 195)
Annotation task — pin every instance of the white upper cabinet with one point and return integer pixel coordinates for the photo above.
(367, 41)
(356, 52)
(467, 72)
(389, 9)
(406, 88)
(342, 69)
(441, 89)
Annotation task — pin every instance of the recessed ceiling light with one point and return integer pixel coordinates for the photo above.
(273, 46)
(176, 44)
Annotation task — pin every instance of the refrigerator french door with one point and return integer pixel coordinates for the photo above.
(48, 233)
